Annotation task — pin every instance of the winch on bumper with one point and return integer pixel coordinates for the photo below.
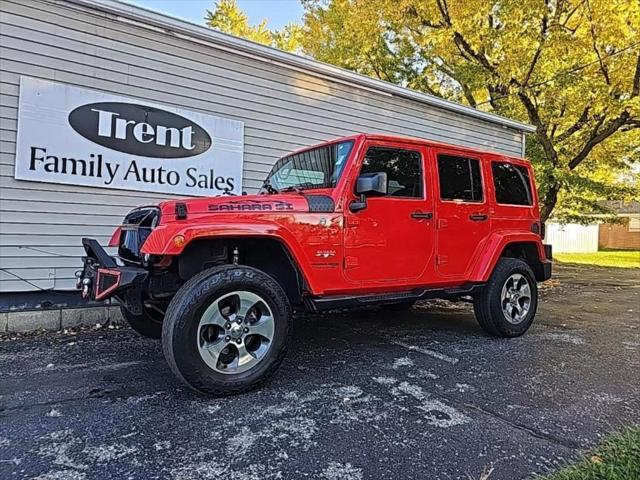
(102, 278)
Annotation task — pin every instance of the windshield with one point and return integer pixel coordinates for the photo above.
(315, 168)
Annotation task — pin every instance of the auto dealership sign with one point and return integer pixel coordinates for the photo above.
(85, 137)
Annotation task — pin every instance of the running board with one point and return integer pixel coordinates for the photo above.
(349, 301)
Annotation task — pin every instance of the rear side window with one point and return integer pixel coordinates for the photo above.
(460, 178)
(512, 184)
(403, 169)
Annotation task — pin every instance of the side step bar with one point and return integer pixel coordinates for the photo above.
(349, 301)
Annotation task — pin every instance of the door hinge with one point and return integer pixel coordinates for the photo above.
(441, 259)
(351, 221)
(442, 223)
(350, 262)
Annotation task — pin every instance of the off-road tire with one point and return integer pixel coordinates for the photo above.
(487, 304)
(147, 324)
(180, 329)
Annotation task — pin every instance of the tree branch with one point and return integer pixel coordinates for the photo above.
(496, 92)
(466, 90)
(468, 94)
(444, 11)
(543, 36)
(411, 11)
(636, 80)
(379, 73)
(569, 15)
(554, 127)
(598, 136)
(464, 54)
(465, 48)
(536, 56)
(541, 128)
(479, 57)
(581, 122)
(550, 199)
(425, 86)
(603, 67)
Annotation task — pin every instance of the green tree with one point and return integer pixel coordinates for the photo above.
(229, 18)
(569, 67)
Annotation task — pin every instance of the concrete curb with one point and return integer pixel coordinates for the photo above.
(58, 319)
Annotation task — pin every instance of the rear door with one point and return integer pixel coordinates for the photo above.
(515, 207)
(462, 211)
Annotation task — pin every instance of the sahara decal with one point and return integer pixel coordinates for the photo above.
(251, 206)
(325, 253)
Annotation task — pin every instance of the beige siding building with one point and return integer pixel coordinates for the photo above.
(284, 102)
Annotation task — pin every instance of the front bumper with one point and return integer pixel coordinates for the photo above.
(102, 278)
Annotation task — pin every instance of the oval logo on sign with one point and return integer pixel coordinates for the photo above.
(139, 130)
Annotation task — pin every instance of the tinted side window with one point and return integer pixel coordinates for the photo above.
(511, 183)
(460, 178)
(403, 168)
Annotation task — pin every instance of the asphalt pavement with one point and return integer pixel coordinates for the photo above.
(365, 395)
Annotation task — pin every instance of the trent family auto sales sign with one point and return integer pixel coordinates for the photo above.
(84, 137)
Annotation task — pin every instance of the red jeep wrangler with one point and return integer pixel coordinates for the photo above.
(362, 220)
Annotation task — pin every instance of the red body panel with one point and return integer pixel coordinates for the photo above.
(115, 238)
(379, 249)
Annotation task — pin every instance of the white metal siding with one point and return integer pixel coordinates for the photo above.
(283, 107)
(572, 237)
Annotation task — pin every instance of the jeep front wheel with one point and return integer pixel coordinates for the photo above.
(507, 305)
(226, 330)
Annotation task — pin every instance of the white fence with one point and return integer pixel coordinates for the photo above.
(572, 237)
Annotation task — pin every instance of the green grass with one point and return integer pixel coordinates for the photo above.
(604, 258)
(617, 458)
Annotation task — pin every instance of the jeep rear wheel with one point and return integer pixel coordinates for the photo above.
(226, 330)
(507, 305)
(148, 324)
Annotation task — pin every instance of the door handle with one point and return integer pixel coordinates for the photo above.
(422, 215)
(478, 217)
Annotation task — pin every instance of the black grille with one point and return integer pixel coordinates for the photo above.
(136, 227)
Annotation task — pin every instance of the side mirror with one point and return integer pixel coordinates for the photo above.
(372, 184)
(369, 184)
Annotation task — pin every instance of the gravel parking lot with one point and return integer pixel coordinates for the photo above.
(365, 395)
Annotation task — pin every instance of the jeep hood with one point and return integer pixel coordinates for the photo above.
(246, 204)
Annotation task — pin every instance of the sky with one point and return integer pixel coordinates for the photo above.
(277, 12)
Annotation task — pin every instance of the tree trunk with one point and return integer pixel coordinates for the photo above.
(548, 203)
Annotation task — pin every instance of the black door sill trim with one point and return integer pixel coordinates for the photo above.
(350, 301)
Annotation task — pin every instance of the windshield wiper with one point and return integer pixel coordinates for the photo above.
(290, 189)
(299, 188)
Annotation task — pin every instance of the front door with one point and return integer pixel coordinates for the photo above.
(462, 213)
(392, 239)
